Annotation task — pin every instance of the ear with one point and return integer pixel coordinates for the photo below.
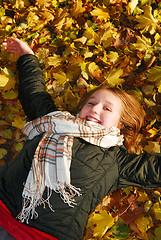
(120, 125)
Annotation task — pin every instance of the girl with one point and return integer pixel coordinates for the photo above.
(69, 164)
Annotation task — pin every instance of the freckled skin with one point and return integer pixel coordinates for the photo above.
(102, 107)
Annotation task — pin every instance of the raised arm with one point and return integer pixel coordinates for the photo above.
(35, 100)
(142, 170)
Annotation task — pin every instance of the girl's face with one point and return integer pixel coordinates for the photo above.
(102, 107)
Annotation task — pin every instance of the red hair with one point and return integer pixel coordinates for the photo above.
(132, 117)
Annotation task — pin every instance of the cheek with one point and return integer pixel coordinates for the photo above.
(111, 120)
(82, 113)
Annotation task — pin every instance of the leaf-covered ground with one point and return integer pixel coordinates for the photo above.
(81, 44)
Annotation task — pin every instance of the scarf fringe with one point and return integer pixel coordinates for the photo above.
(67, 194)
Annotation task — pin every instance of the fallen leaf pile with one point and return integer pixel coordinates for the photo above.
(81, 44)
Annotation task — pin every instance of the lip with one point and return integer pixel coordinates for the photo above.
(93, 119)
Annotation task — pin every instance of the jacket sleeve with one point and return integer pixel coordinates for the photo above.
(142, 170)
(34, 99)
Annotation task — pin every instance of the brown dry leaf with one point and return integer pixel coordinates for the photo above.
(77, 9)
(19, 4)
(44, 3)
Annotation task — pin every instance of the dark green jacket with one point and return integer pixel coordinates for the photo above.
(97, 171)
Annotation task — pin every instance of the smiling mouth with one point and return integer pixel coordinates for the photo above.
(93, 119)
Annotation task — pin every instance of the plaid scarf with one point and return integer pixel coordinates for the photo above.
(52, 160)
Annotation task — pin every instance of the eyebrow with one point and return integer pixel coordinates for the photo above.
(109, 103)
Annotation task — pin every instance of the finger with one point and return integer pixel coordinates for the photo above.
(4, 44)
(9, 47)
(13, 44)
(12, 50)
(11, 39)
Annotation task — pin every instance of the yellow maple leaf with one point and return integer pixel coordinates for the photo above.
(60, 77)
(60, 18)
(94, 70)
(7, 79)
(146, 21)
(54, 61)
(3, 80)
(152, 147)
(47, 15)
(113, 56)
(7, 134)
(142, 44)
(108, 34)
(19, 146)
(3, 152)
(103, 222)
(157, 211)
(113, 78)
(82, 40)
(159, 88)
(81, 83)
(70, 98)
(32, 18)
(89, 33)
(133, 5)
(10, 83)
(144, 223)
(142, 197)
(101, 13)
(153, 131)
(149, 102)
(88, 54)
(18, 122)
(42, 54)
(157, 232)
(5, 20)
(154, 74)
(10, 94)
(69, 22)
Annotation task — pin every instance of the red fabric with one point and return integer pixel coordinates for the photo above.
(19, 230)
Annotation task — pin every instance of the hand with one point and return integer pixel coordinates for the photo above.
(14, 45)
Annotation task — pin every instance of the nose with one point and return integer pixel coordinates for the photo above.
(96, 109)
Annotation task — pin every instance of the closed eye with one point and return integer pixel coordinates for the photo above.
(91, 103)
